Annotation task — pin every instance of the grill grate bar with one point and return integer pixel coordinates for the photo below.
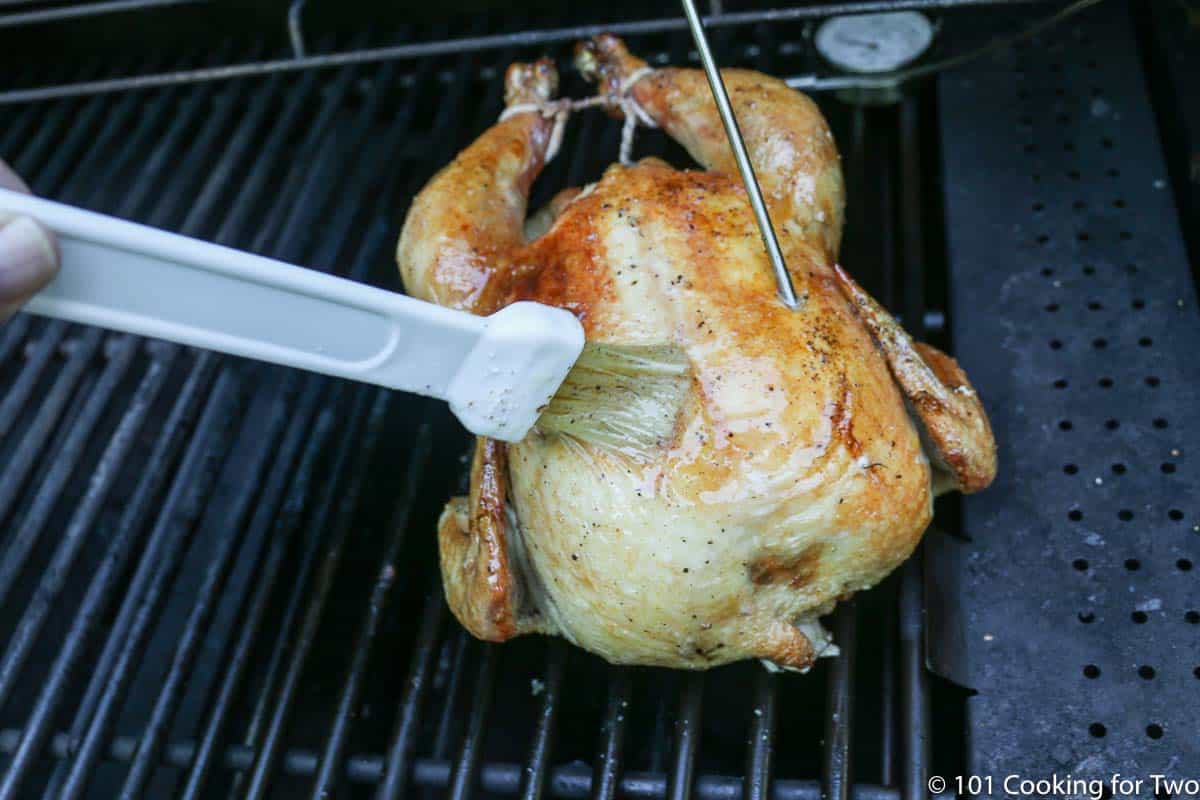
(915, 682)
(78, 10)
(913, 675)
(456, 652)
(197, 386)
(353, 461)
(139, 628)
(417, 686)
(183, 505)
(839, 711)
(606, 777)
(687, 737)
(537, 770)
(887, 686)
(191, 482)
(331, 758)
(219, 566)
(48, 342)
(757, 785)
(100, 591)
(13, 334)
(573, 781)
(22, 462)
(313, 435)
(292, 609)
(465, 772)
(22, 640)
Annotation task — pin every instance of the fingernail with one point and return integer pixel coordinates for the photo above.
(28, 259)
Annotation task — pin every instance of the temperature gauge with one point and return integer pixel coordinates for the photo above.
(872, 43)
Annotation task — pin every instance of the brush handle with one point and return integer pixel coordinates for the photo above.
(496, 371)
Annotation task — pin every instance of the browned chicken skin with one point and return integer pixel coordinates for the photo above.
(797, 476)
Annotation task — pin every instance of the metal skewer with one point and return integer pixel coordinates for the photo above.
(787, 292)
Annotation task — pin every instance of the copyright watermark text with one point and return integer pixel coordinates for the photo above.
(1115, 785)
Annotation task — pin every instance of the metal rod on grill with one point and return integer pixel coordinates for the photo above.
(787, 293)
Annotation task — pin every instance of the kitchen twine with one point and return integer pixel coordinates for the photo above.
(559, 110)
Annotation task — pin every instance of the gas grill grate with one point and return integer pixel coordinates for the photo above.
(220, 577)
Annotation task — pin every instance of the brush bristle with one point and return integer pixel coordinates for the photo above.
(624, 397)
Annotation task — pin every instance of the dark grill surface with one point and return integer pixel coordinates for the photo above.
(1079, 575)
(219, 578)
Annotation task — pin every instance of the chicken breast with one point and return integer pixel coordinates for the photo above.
(804, 467)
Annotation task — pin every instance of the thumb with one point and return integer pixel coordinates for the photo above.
(28, 261)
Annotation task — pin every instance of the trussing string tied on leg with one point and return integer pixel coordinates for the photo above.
(633, 111)
(558, 110)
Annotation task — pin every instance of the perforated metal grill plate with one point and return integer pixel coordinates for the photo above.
(1073, 311)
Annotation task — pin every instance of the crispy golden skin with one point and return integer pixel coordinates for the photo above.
(797, 477)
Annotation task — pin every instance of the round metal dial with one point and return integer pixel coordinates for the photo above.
(874, 42)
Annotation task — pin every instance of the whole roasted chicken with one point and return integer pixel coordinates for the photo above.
(802, 469)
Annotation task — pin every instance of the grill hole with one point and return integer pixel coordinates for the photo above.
(1089, 270)
(1139, 617)
(1097, 730)
(1175, 514)
(1139, 304)
(1081, 565)
(1154, 731)
(1087, 618)
(1100, 343)
(1152, 381)
(1124, 515)
(1118, 203)
(1132, 564)
(1038, 206)
(1070, 469)
(1075, 515)
(1113, 172)
(1094, 306)
(1105, 383)
(1183, 565)
(1083, 236)
(1118, 469)
(1079, 205)
(1160, 423)
(1065, 425)
(1055, 344)
(1052, 307)
(1145, 341)
(1125, 236)
(1112, 424)
(1047, 271)
(1091, 671)
(1042, 238)
(1167, 467)
(1106, 143)
(1146, 672)
(1196, 672)
(1192, 617)
(1061, 383)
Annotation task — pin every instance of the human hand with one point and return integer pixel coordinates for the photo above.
(28, 253)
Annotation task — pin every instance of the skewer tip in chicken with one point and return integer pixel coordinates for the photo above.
(804, 467)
